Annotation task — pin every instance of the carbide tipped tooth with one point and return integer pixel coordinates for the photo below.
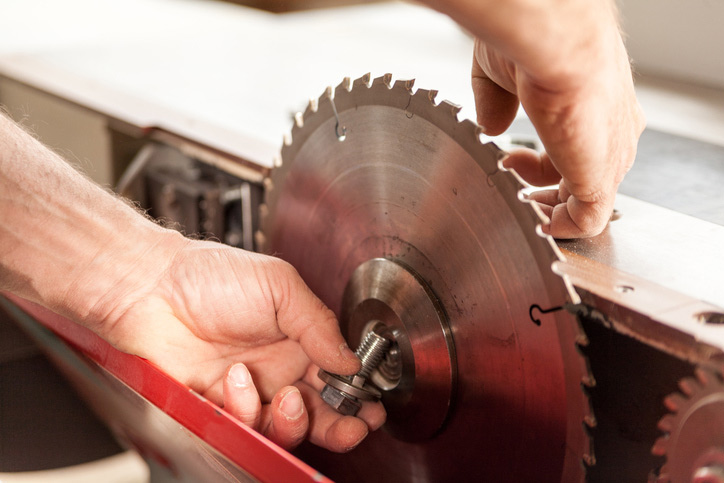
(346, 84)
(573, 296)
(288, 139)
(483, 139)
(313, 105)
(431, 95)
(587, 380)
(364, 81)
(544, 219)
(660, 446)
(688, 386)
(454, 108)
(387, 79)
(667, 424)
(327, 94)
(674, 402)
(299, 120)
(469, 126)
(518, 178)
(519, 181)
(382, 81)
(705, 377)
(406, 85)
(590, 420)
(260, 241)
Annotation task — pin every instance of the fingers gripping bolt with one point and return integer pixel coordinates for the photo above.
(345, 393)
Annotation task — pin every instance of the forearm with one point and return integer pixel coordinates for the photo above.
(65, 243)
(555, 41)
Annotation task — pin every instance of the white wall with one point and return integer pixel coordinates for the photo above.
(680, 39)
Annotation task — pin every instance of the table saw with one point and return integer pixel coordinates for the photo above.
(514, 357)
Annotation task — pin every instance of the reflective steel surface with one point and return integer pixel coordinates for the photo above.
(412, 184)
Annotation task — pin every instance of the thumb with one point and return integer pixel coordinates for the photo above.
(496, 101)
(301, 316)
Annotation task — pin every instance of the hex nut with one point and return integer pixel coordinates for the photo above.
(339, 401)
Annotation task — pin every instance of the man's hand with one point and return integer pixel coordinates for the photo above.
(240, 328)
(589, 130)
(566, 64)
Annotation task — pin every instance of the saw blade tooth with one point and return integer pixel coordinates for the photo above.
(278, 161)
(589, 455)
(263, 210)
(346, 84)
(404, 84)
(582, 341)
(667, 424)
(542, 217)
(470, 126)
(313, 106)
(705, 377)
(573, 297)
(513, 173)
(587, 380)
(481, 137)
(674, 402)
(287, 139)
(425, 95)
(385, 80)
(589, 417)
(259, 236)
(364, 81)
(689, 386)
(660, 446)
(559, 254)
(299, 119)
(260, 241)
(452, 107)
(326, 95)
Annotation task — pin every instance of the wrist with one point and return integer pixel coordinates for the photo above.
(126, 269)
(66, 243)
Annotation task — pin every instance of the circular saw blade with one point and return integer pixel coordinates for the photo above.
(410, 183)
(693, 443)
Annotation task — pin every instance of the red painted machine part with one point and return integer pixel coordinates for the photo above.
(242, 446)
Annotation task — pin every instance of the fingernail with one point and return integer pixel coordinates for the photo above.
(350, 448)
(346, 352)
(292, 406)
(239, 376)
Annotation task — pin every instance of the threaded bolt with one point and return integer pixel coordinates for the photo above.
(344, 393)
(370, 352)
